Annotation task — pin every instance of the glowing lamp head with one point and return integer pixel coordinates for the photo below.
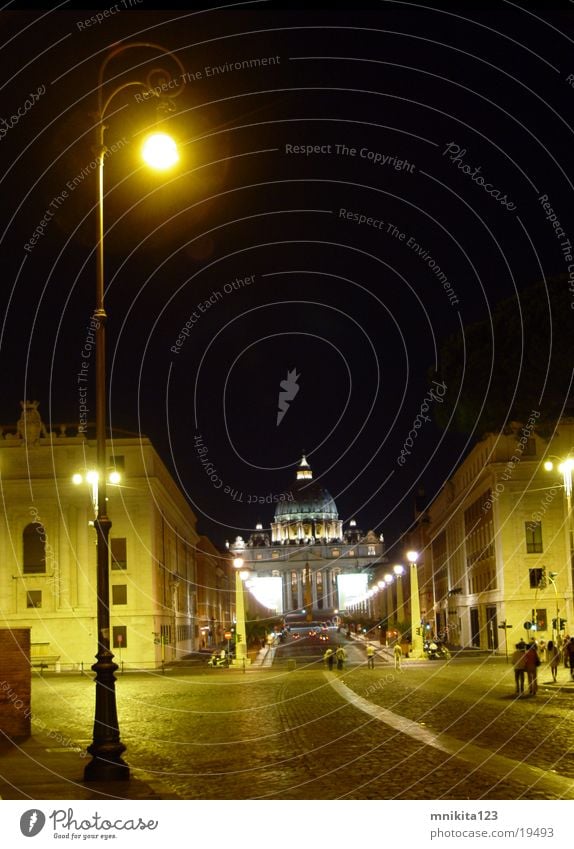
(388, 578)
(399, 569)
(114, 477)
(238, 562)
(159, 151)
(412, 556)
(244, 574)
(548, 465)
(381, 584)
(77, 478)
(92, 477)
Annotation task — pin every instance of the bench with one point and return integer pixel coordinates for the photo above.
(44, 661)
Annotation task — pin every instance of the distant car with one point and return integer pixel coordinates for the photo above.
(324, 637)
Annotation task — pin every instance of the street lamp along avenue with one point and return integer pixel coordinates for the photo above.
(106, 748)
(241, 656)
(565, 467)
(416, 625)
(399, 571)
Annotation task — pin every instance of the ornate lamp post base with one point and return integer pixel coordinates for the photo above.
(107, 748)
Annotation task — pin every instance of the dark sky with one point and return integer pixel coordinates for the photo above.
(444, 127)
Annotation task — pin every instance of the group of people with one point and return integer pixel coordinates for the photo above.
(526, 660)
(339, 655)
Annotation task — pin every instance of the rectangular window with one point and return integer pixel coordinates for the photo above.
(34, 598)
(118, 551)
(535, 576)
(275, 555)
(533, 532)
(119, 594)
(335, 552)
(117, 462)
(120, 637)
(371, 551)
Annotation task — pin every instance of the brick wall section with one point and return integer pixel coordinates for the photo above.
(15, 683)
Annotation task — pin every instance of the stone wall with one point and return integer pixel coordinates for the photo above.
(15, 683)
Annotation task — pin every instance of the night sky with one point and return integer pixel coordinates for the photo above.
(355, 186)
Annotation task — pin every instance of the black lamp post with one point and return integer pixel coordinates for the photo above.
(107, 748)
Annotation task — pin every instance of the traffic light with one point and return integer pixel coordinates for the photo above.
(562, 624)
(554, 624)
(418, 632)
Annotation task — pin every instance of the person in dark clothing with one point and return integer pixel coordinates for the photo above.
(531, 663)
(519, 665)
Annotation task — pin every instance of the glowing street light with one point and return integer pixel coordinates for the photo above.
(399, 571)
(241, 657)
(107, 748)
(416, 629)
(159, 151)
(91, 478)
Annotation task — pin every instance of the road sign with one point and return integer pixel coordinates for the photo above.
(227, 635)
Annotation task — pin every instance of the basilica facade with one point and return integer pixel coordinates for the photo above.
(312, 563)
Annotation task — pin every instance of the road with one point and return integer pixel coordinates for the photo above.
(295, 734)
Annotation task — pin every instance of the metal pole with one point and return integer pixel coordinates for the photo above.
(240, 627)
(417, 639)
(106, 748)
(399, 597)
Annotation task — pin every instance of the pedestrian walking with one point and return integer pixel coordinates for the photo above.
(519, 664)
(531, 663)
(569, 648)
(329, 658)
(553, 654)
(370, 657)
(565, 650)
(341, 656)
(398, 652)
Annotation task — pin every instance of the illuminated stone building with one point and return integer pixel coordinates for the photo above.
(497, 542)
(48, 549)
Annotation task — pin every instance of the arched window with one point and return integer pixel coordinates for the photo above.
(34, 547)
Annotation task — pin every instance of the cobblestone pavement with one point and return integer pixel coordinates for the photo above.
(288, 734)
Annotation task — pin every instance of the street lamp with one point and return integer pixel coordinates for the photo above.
(241, 657)
(416, 637)
(399, 571)
(565, 467)
(106, 748)
(91, 478)
(388, 578)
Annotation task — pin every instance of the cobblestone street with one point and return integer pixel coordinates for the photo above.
(291, 735)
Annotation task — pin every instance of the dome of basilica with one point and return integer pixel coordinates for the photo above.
(307, 499)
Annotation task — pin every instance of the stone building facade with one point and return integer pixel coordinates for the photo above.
(48, 550)
(497, 545)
